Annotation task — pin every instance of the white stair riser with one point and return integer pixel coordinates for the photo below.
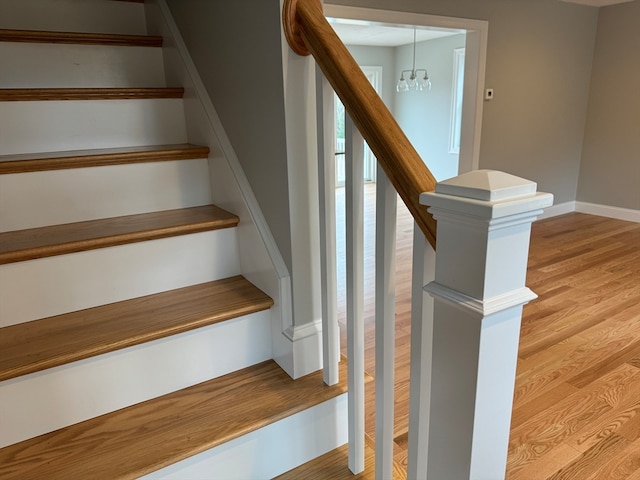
(29, 127)
(271, 450)
(45, 401)
(36, 199)
(73, 16)
(39, 65)
(65, 283)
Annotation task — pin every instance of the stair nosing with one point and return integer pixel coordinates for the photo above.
(85, 329)
(217, 219)
(79, 38)
(45, 161)
(108, 93)
(203, 410)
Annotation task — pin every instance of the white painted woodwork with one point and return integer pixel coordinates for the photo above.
(327, 201)
(313, 431)
(423, 272)
(65, 283)
(97, 16)
(385, 294)
(30, 127)
(54, 398)
(260, 259)
(354, 230)
(41, 65)
(54, 197)
(484, 222)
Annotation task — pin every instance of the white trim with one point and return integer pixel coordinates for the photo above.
(556, 210)
(620, 213)
(475, 66)
(483, 307)
(298, 332)
(627, 214)
(458, 57)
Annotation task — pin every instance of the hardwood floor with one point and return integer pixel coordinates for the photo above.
(577, 400)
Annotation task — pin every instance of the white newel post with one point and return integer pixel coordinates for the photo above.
(484, 224)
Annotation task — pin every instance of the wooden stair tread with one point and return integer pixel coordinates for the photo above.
(143, 438)
(22, 245)
(34, 346)
(79, 38)
(334, 465)
(29, 162)
(39, 94)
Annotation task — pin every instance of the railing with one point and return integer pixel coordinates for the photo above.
(308, 31)
(464, 336)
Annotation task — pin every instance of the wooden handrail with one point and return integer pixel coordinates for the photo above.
(308, 32)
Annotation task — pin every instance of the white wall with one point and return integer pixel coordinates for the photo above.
(426, 116)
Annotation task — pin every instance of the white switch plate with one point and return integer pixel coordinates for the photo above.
(488, 94)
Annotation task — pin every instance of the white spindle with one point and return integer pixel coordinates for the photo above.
(423, 271)
(386, 205)
(354, 205)
(327, 202)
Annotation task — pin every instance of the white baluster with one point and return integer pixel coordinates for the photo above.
(386, 205)
(327, 202)
(421, 347)
(354, 205)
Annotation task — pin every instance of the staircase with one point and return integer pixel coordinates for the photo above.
(130, 342)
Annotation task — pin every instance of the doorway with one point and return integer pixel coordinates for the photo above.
(474, 64)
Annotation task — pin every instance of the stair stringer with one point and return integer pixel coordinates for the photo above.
(296, 348)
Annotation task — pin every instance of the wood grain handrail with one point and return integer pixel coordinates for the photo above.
(308, 32)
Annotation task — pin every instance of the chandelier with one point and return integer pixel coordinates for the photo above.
(418, 79)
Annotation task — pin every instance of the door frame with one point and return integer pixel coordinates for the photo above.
(474, 67)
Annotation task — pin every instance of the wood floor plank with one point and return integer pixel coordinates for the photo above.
(22, 245)
(623, 465)
(22, 163)
(591, 460)
(551, 427)
(79, 38)
(547, 465)
(41, 94)
(40, 344)
(143, 438)
(526, 410)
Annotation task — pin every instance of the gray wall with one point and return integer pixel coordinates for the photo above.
(610, 170)
(539, 64)
(425, 116)
(379, 57)
(236, 48)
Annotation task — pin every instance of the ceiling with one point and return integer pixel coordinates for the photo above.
(358, 32)
(365, 33)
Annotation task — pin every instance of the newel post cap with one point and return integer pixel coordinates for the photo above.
(486, 193)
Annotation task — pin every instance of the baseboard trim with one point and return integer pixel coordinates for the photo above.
(559, 209)
(628, 214)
